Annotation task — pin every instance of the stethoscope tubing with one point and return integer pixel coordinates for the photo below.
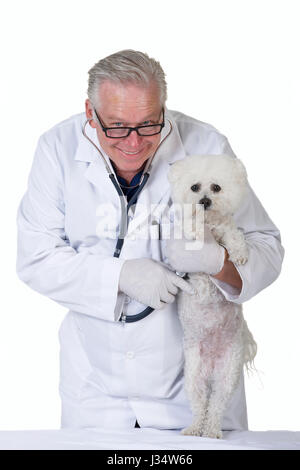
(124, 211)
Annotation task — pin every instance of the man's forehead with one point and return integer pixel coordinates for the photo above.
(125, 113)
(118, 95)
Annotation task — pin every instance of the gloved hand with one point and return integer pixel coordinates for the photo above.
(150, 283)
(193, 256)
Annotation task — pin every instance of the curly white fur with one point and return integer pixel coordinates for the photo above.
(217, 341)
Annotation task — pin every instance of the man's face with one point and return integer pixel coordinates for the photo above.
(127, 105)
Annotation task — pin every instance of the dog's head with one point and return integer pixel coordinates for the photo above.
(218, 182)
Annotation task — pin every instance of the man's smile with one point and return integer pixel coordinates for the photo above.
(131, 152)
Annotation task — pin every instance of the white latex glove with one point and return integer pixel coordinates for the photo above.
(193, 256)
(150, 283)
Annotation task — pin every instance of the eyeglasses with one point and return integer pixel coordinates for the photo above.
(120, 132)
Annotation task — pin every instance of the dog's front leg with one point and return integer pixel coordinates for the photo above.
(234, 241)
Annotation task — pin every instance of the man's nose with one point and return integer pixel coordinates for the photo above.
(134, 140)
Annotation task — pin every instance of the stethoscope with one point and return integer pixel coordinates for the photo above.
(125, 206)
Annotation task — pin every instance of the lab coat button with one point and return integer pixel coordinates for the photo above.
(130, 355)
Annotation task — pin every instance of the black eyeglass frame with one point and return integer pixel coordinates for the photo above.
(130, 129)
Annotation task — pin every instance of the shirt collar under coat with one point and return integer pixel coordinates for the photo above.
(157, 185)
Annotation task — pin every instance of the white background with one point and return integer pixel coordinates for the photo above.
(232, 63)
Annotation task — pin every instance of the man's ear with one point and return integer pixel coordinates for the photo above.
(175, 171)
(89, 113)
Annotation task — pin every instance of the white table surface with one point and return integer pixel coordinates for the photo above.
(144, 438)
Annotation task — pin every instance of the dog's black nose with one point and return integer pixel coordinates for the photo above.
(206, 202)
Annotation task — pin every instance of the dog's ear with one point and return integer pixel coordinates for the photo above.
(240, 169)
(175, 171)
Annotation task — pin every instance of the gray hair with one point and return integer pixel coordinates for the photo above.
(126, 66)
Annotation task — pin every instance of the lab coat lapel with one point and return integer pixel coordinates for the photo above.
(96, 172)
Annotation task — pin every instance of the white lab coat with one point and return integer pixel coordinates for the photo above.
(113, 373)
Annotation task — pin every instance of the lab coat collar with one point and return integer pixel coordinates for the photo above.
(96, 171)
(86, 152)
(170, 151)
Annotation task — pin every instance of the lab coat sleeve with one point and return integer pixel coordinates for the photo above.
(265, 252)
(264, 243)
(83, 282)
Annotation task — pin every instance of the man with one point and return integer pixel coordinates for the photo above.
(112, 373)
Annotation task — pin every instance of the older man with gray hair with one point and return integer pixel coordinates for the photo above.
(119, 368)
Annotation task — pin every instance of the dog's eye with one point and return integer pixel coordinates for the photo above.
(215, 188)
(196, 187)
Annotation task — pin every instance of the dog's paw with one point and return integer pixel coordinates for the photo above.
(212, 434)
(239, 257)
(191, 431)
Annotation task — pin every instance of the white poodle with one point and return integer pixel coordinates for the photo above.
(217, 341)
